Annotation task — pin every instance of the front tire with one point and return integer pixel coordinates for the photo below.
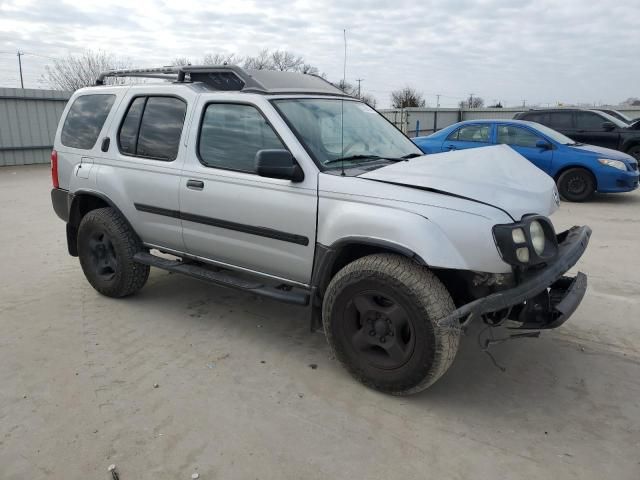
(106, 246)
(380, 316)
(576, 185)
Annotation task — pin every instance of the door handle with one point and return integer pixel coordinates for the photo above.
(195, 184)
(451, 147)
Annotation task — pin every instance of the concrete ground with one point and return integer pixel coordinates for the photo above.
(237, 398)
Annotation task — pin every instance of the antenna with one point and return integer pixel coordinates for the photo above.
(344, 83)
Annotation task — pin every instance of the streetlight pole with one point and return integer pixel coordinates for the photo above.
(20, 68)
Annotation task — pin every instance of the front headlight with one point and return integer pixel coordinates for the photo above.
(613, 163)
(530, 241)
(537, 237)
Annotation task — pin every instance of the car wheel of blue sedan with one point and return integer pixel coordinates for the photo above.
(576, 185)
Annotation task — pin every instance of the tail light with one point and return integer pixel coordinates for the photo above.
(54, 169)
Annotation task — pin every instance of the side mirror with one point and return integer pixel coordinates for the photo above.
(543, 144)
(608, 126)
(278, 164)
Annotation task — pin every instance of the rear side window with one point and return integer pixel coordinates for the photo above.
(152, 128)
(471, 133)
(85, 120)
(232, 134)
(541, 118)
(560, 120)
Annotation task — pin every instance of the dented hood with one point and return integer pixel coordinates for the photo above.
(495, 175)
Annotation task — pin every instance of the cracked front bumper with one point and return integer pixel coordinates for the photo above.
(543, 299)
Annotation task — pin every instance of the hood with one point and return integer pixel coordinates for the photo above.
(602, 152)
(496, 175)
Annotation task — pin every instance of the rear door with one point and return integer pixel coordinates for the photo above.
(523, 140)
(589, 130)
(231, 215)
(141, 173)
(468, 136)
(563, 122)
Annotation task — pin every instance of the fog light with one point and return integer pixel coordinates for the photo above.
(518, 235)
(522, 254)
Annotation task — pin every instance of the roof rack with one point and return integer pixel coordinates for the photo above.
(234, 78)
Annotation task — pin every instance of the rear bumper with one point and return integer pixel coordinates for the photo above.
(543, 299)
(61, 200)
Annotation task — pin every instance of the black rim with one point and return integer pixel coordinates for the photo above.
(379, 329)
(102, 255)
(576, 184)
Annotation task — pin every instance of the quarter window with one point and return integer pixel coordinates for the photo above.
(152, 128)
(471, 133)
(232, 134)
(85, 120)
(516, 136)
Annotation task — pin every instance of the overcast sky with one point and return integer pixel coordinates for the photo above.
(541, 51)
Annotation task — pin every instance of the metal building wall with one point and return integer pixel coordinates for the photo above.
(28, 122)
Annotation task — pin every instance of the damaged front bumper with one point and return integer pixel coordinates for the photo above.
(542, 299)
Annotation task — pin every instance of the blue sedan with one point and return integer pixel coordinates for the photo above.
(578, 169)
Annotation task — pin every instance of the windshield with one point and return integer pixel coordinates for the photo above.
(553, 135)
(366, 135)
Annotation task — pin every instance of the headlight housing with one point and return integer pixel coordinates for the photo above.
(613, 163)
(531, 241)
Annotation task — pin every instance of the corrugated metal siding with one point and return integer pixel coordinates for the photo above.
(28, 122)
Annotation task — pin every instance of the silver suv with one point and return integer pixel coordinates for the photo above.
(281, 185)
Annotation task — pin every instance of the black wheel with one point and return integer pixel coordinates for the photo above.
(635, 152)
(106, 246)
(380, 317)
(576, 185)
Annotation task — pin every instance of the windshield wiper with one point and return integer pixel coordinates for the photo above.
(411, 155)
(368, 158)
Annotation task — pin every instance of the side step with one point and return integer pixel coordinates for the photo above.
(227, 278)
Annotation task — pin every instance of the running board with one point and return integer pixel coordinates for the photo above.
(226, 278)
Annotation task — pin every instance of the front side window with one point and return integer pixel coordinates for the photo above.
(152, 128)
(232, 134)
(471, 133)
(85, 120)
(332, 129)
(589, 121)
(517, 136)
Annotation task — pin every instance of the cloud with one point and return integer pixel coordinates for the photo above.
(542, 51)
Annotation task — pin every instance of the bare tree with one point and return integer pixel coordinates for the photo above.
(286, 61)
(77, 71)
(369, 100)
(472, 102)
(221, 59)
(407, 97)
(181, 61)
(262, 61)
(346, 87)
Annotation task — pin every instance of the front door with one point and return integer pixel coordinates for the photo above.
(524, 141)
(589, 130)
(233, 216)
(468, 136)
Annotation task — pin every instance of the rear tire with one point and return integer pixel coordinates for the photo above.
(106, 246)
(380, 317)
(576, 185)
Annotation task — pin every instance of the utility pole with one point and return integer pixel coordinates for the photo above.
(359, 80)
(470, 100)
(437, 100)
(524, 103)
(20, 68)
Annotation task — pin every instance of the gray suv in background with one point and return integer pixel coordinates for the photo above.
(280, 185)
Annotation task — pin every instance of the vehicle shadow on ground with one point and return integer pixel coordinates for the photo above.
(549, 372)
(613, 198)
